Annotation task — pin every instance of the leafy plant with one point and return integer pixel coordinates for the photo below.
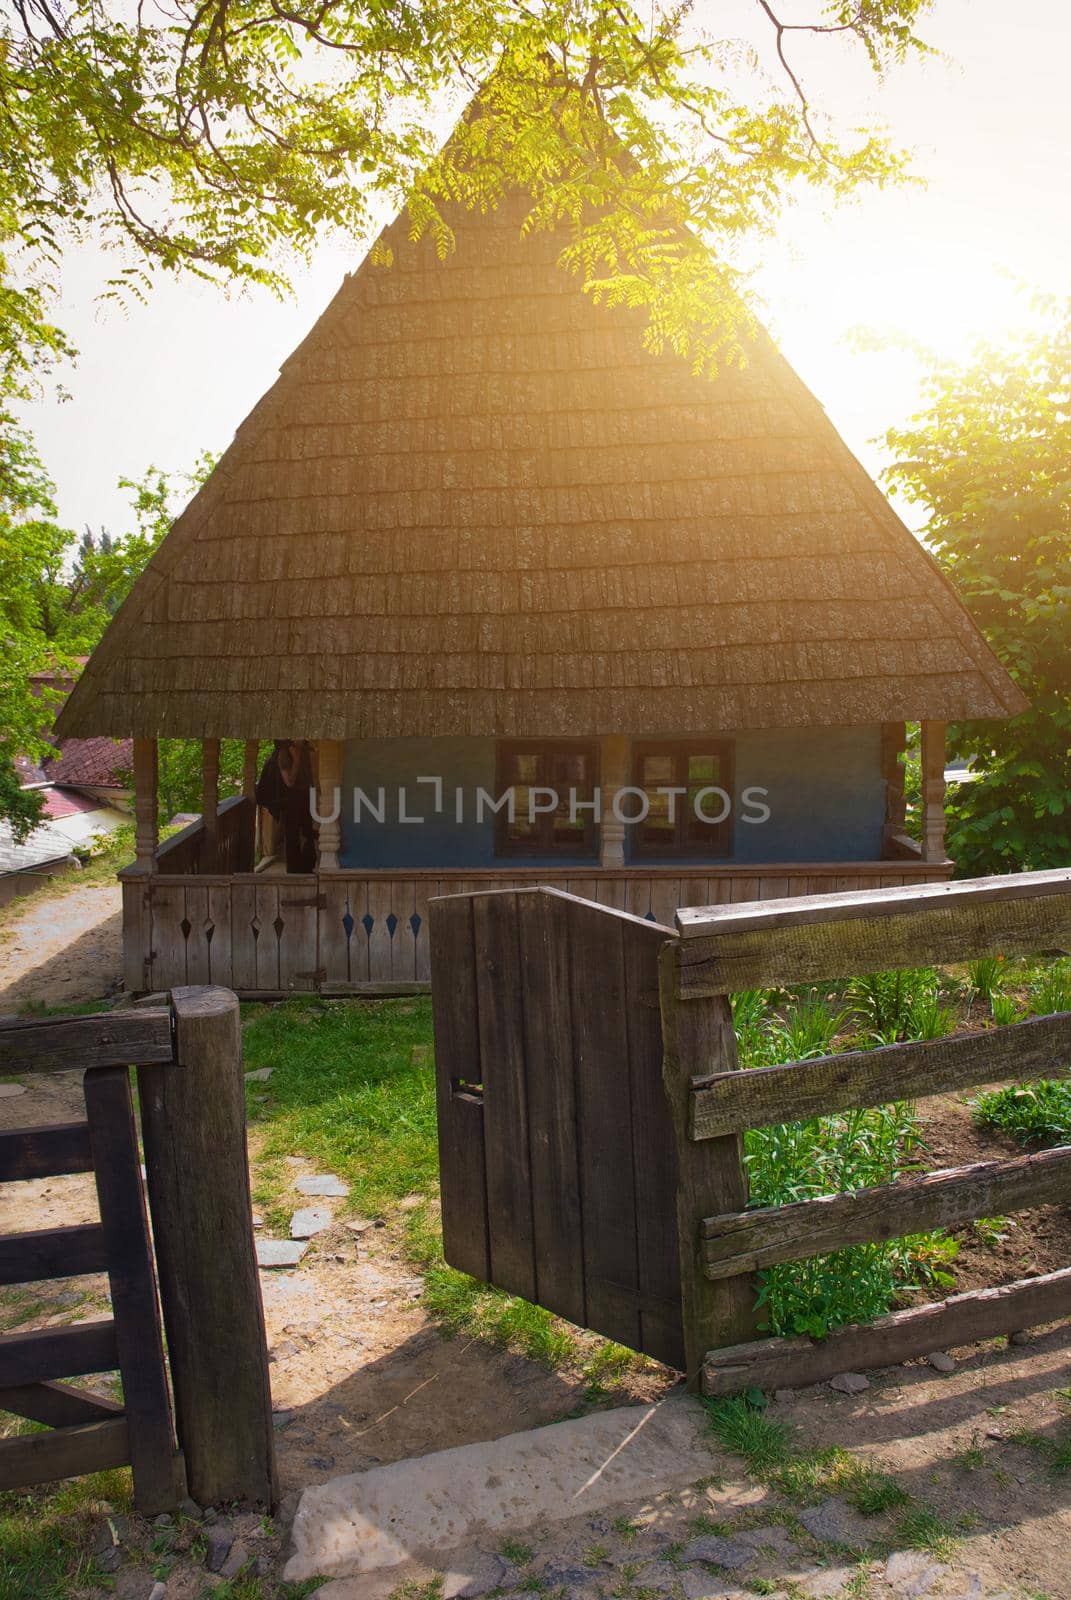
(893, 1004)
(985, 976)
(1032, 1112)
(1004, 1010)
(1051, 990)
(927, 1018)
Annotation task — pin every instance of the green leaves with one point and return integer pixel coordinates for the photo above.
(990, 457)
(225, 137)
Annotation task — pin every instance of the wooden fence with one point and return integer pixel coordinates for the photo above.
(534, 1034)
(348, 931)
(216, 1441)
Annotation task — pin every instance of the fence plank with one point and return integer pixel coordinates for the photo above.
(798, 1090)
(45, 1152)
(505, 1108)
(462, 1184)
(834, 936)
(131, 1276)
(58, 1405)
(68, 1352)
(543, 924)
(698, 1036)
(962, 1319)
(604, 1110)
(654, 1151)
(746, 1240)
(66, 1453)
(193, 1121)
(52, 1253)
(114, 1039)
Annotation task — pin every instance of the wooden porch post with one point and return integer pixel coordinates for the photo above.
(328, 792)
(146, 821)
(249, 768)
(210, 798)
(933, 791)
(613, 776)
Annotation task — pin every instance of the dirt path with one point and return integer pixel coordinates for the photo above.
(62, 948)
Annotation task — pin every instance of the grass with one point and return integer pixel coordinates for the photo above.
(806, 1475)
(352, 1089)
(45, 1536)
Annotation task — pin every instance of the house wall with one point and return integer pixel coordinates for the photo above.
(826, 799)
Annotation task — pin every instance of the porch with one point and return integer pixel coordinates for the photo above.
(213, 904)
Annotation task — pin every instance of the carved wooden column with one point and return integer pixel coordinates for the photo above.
(613, 775)
(329, 802)
(933, 791)
(146, 822)
(210, 800)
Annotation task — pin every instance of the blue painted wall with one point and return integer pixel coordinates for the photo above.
(826, 798)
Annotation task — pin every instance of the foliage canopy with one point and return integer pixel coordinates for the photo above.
(990, 459)
(220, 136)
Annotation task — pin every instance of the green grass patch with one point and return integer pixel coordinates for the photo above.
(803, 1475)
(352, 1089)
(45, 1536)
(922, 1529)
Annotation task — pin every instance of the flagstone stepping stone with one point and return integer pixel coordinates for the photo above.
(8, 1091)
(309, 1221)
(279, 1252)
(261, 1075)
(324, 1183)
(728, 1553)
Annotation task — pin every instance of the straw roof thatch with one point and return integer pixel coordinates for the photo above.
(473, 503)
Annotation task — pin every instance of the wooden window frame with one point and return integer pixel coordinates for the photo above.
(543, 842)
(720, 834)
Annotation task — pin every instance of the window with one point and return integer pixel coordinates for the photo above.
(539, 826)
(672, 827)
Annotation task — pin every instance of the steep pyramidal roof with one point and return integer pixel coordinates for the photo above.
(473, 503)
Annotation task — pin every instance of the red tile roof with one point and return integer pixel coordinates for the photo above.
(93, 763)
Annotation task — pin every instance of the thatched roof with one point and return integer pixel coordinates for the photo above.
(473, 503)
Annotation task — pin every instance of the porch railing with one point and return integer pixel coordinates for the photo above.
(192, 852)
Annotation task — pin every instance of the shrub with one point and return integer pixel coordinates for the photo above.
(1030, 1111)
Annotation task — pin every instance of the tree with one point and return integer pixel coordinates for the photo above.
(990, 459)
(217, 135)
(57, 594)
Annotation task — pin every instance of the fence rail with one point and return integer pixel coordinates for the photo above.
(835, 936)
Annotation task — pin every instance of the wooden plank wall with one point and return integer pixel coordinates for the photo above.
(558, 1163)
(340, 931)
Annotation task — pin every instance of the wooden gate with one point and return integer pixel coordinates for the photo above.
(558, 1165)
(191, 1093)
(591, 1113)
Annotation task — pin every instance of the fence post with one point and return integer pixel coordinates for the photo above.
(698, 1039)
(193, 1127)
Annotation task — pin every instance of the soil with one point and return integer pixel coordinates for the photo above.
(58, 949)
(1024, 1246)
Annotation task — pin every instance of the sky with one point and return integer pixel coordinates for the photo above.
(988, 121)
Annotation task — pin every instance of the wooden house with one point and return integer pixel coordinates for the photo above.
(477, 532)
